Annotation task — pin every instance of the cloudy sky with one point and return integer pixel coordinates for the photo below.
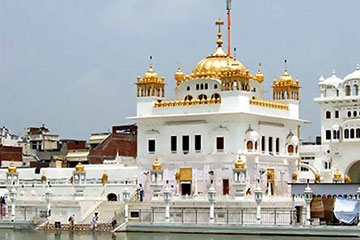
(72, 64)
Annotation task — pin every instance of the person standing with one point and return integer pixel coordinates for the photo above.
(141, 192)
(71, 222)
(94, 220)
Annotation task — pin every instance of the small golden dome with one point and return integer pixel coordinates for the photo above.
(12, 168)
(150, 75)
(337, 175)
(259, 76)
(179, 76)
(285, 78)
(79, 167)
(156, 165)
(239, 164)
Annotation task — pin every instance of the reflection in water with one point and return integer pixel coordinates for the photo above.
(40, 235)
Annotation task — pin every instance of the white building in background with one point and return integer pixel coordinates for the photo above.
(219, 114)
(338, 152)
(9, 139)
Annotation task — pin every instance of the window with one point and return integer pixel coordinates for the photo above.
(346, 133)
(352, 133)
(303, 167)
(290, 149)
(263, 143)
(355, 90)
(173, 144)
(206, 86)
(197, 143)
(188, 88)
(202, 96)
(355, 113)
(151, 145)
(328, 114)
(327, 165)
(197, 86)
(270, 144)
(220, 144)
(358, 133)
(188, 98)
(277, 146)
(336, 114)
(335, 134)
(185, 144)
(249, 145)
(349, 114)
(215, 86)
(347, 90)
(202, 86)
(328, 134)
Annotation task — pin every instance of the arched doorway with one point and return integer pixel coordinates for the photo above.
(354, 172)
(112, 197)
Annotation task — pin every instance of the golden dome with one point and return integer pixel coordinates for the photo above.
(285, 78)
(179, 76)
(239, 164)
(259, 76)
(337, 175)
(150, 75)
(219, 64)
(156, 165)
(79, 167)
(12, 168)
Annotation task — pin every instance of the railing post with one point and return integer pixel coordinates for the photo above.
(182, 215)
(140, 215)
(242, 217)
(196, 216)
(275, 216)
(153, 216)
(25, 213)
(227, 216)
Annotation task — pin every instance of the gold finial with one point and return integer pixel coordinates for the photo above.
(12, 168)
(285, 67)
(156, 165)
(219, 22)
(259, 68)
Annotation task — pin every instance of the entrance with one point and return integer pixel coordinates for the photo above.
(226, 187)
(354, 172)
(112, 197)
(186, 188)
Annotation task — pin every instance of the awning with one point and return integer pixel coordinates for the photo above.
(346, 210)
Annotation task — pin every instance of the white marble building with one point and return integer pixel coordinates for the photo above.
(340, 130)
(218, 115)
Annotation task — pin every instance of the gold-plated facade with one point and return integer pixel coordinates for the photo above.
(184, 175)
(270, 175)
(269, 104)
(193, 102)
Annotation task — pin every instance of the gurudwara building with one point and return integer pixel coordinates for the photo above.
(219, 130)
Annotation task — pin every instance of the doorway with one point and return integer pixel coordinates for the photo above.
(186, 188)
(226, 186)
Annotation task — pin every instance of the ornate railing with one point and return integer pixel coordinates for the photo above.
(269, 104)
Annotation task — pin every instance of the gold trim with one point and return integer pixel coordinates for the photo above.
(269, 104)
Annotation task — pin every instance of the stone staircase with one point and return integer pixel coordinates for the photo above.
(106, 210)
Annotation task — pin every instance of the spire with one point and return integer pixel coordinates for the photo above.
(259, 68)
(219, 22)
(228, 8)
(358, 65)
(285, 67)
(150, 63)
(334, 72)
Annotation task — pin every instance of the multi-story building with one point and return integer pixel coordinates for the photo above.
(219, 115)
(340, 129)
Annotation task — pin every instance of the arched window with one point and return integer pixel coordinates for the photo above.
(352, 133)
(328, 114)
(347, 90)
(201, 86)
(290, 149)
(334, 134)
(256, 145)
(188, 88)
(215, 86)
(358, 133)
(355, 90)
(197, 86)
(249, 145)
(202, 96)
(206, 86)
(346, 133)
(188, 98)
(215, 96)
(349, 114)
(355, 113)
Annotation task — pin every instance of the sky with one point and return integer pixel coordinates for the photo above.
(72, 65)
